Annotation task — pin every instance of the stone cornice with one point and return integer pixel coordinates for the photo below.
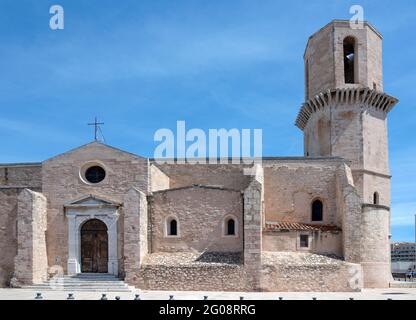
(375, 206)
(379, 174)
(364, 96)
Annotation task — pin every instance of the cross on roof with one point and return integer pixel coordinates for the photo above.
(96, 125)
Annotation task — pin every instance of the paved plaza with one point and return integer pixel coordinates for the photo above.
(367, 294)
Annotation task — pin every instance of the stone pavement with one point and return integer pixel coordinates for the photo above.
(367, 294)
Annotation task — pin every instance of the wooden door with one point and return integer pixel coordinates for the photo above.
(94, 247)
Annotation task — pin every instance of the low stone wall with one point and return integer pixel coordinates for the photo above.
(191, 272)
(299, 271)
(280, 272)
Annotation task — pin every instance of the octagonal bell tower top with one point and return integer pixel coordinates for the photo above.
(341, 57)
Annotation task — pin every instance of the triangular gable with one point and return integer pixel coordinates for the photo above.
(94, 143)
(91, 201)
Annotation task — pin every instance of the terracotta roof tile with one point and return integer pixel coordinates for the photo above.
(283, 225)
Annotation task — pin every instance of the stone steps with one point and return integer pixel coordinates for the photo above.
(403, 284)
(84, 282)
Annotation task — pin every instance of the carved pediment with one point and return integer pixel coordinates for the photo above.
(91, 201)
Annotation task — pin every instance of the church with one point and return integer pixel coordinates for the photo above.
(317, 222)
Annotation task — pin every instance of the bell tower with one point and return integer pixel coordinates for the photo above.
(345, 115)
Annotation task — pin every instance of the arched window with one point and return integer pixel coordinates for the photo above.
(317, 210)
(230, 227)
(376, 198)
(349, 59)
(172, 227)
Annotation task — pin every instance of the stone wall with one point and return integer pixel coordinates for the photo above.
(296, 271)
(375, 141)
(349, 204)
(200, 212)
(62, 183)
(188, 271)
(375, 246)
(223, 175)
(278, 271)
(319, 59)
(291, 186)
(317, 134)
(8, 233)
(324, 55)
(135, 233)
(31, 262)
(21, 175)
(320, 242)
(372, 183)
(253, 226)
(158, 180)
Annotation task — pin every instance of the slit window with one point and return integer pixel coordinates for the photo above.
(349, 60)
(376, 198)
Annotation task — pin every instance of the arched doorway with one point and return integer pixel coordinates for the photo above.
(94, 247)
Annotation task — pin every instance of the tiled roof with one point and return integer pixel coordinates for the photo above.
(277, 226)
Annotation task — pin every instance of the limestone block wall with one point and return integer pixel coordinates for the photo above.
(358, 134)
(375, 246)
(8, 233)
(192, 278)
(135, 233)
(158, 179)
(253, 226)
(286, 271)
(200, 213)
(31, 263)
(324, 57)
(21, 175)
(372, 183)
(349, 203)
(318, 60)
(279, 241)
(290, 187)
(62, 183)
(327, 243)
(375, 141)
(347, 133)
(225, 175)
(317, 134)
(320, 242)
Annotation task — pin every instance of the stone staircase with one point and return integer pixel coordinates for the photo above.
(93, 282)
(403, 284)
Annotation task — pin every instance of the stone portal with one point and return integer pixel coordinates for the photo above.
(94, 247)
(92, 235)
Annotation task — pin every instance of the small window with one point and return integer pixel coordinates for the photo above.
(317, 210)
(173, 228)
(230, 227)
(376, 198)
(349, 60)
(304, 241)
(95, 174)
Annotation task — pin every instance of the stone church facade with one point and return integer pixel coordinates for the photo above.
(320, 222)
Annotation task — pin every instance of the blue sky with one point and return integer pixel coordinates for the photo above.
(143, 65)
